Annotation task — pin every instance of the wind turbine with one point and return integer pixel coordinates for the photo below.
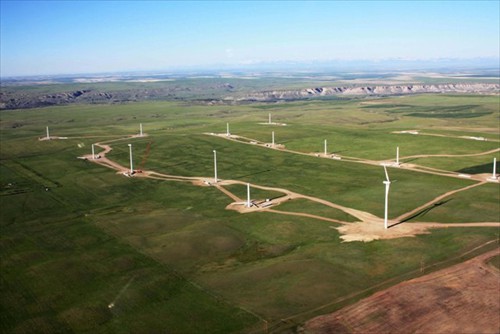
(494, 174)
(131, 162)
(269, 119)
(397, 156)
(325, 147)
(227, 130)
(215, 166)
(93, 152)
(140, 129)
(273, 138)
(48, 136)
(387, 183)
(248, 196)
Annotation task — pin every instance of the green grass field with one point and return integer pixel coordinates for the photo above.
(76, 236)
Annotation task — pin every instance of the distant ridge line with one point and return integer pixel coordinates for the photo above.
(225, 93)
(467, 88)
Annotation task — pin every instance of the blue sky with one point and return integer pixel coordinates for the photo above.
(60, 37)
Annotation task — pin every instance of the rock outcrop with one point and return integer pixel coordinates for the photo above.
(368, 90)
(21, 100)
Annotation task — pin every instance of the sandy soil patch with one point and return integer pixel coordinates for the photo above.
(273, 123)
(51, 138)
(374, 230)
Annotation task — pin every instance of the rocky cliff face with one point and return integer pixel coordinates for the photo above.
(22, 101)
(369, 90)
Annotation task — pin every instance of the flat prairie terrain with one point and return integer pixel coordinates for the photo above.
(84, 247)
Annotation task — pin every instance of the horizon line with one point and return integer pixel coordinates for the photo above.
(435, 63)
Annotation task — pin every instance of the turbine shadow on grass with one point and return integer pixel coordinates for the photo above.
(408, 160)
(251, 174)
(479, 169)
(337, 152)
(424, 211)
(179, 164)
(277, 197)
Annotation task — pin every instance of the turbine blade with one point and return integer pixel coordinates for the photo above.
(386, 174)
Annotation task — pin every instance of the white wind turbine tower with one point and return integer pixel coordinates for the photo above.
(140, 129)
(131, 162)
(273, 138)
(269, 118)
(215, 166)
(93, 152)
(48, 136)
(387, 183)
(325, 147)
(248, 196)
(227, 130)
(397, 156)
(494, 174)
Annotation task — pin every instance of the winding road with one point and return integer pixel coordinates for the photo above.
(369, 227)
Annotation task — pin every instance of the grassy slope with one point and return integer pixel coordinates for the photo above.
(61, 270)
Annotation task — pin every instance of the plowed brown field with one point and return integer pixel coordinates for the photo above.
(464, 298)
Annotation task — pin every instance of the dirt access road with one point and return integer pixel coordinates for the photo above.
(388, 163)
(368, 228)
(464, 298)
